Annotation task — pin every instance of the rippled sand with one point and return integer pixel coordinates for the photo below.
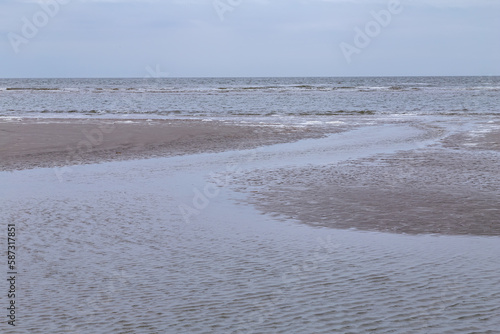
(423, 191)
(171, 245)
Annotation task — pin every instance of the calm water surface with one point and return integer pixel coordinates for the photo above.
(115, 249)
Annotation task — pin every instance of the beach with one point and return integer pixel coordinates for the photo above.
(448, 187)
(250, 167)
(48, 142)
(263, 228)
(251, 205)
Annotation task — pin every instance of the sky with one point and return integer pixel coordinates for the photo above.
(248, 38)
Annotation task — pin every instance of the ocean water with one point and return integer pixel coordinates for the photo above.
(226, 97)
(110, 248)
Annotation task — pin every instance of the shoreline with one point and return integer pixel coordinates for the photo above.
(450, 186)
(99, 233)
(367, 179)
(42, 143)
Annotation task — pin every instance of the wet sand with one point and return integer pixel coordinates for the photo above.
(110, 249)
(449, 184)
(170, 236)
(31, 143)
(451, 187)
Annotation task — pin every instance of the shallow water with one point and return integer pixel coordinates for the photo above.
(162, 246)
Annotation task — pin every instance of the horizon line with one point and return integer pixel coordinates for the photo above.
(255, 77)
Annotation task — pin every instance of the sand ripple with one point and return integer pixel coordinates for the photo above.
(108, 251)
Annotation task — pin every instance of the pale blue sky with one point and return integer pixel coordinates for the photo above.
(129, 38)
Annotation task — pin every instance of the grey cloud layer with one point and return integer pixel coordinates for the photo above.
(251, 38)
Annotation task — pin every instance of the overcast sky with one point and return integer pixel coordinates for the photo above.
(198, 38)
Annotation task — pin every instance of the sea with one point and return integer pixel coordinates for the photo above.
(230, 97)
(154, 246)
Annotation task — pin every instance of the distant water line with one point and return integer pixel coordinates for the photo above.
(207, 97)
